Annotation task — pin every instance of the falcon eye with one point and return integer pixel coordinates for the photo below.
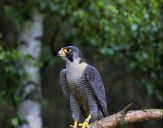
(68, 50)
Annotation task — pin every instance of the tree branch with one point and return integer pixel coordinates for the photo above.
(126, 117)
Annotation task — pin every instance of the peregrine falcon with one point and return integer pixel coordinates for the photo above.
(82, 85)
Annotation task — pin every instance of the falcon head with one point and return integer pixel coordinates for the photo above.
(71, 54)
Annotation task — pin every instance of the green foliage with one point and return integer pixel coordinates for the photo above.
(125, 30)
(10, 72)
(14, 122)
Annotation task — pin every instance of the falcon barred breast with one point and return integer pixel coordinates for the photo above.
(82, 85)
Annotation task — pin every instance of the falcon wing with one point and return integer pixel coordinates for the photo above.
(97, 87)
(63, 84)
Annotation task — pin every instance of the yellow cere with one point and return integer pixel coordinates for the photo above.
(65, 50)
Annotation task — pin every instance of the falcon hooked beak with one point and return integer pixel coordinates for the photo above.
(62, 52)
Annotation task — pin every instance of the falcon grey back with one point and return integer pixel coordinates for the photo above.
(82, 86)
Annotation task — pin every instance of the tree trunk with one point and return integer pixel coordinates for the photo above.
(29, 93)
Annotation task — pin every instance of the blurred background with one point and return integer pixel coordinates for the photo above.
(122, 39)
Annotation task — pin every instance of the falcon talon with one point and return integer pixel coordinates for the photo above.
(82, 85)
(71, 126)
(84, 125)
(75, 124)
(86, 122)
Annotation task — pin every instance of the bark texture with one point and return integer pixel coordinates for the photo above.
(126, 117)
(29, 93)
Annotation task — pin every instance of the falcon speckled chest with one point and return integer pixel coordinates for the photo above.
(77, 82)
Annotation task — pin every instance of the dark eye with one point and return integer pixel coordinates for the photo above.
(68, 50)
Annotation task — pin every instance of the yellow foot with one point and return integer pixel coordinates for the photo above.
(85, 124)
(71, 126)
(75, 124)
